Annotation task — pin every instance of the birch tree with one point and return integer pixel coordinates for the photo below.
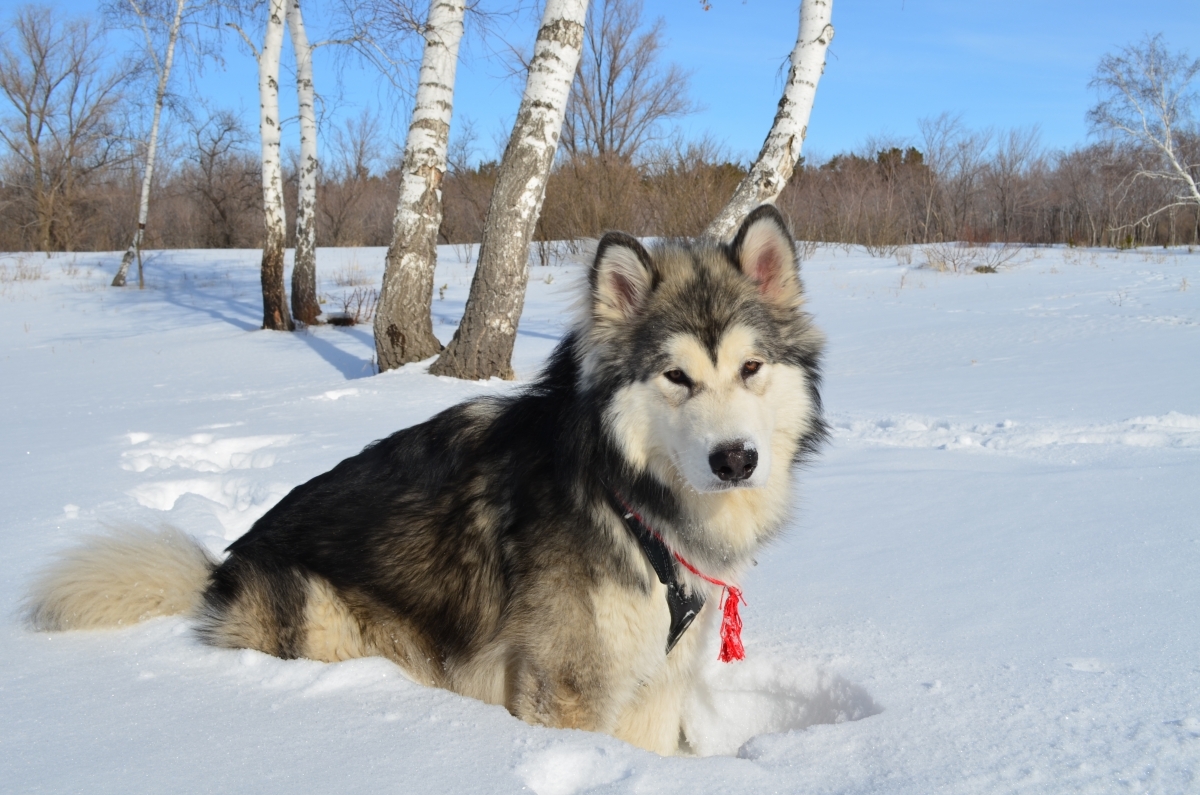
(275, 307)
(781, 150)
(482, 346)
(163, 68)
(374, 29)
(1148, 97)
(305, 306)
(403, 329)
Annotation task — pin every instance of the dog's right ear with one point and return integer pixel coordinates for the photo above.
(622, 277)
(764, 251)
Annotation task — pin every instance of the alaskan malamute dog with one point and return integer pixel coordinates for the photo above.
(545, 551)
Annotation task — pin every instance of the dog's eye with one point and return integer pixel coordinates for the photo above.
(750, 368)
(678, 377)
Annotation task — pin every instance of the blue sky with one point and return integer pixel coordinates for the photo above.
(999, 64)
(892, 62)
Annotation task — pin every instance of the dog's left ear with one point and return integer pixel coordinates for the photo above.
(764, 250)
(621, 278)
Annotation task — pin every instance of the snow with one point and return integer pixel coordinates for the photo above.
(990, 584)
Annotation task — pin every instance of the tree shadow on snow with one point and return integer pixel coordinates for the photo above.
(361, 334)
(349, 365)
(240, 307)
(346, 363)
(540, 334)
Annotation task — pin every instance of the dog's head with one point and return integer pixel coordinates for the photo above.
(707, 361)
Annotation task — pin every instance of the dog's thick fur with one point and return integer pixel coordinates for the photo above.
(480, 550)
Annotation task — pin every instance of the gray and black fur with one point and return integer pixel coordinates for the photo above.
(480, 550)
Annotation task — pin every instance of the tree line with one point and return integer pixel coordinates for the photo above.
(963, 184)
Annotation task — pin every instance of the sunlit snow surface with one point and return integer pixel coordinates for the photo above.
(992, 583)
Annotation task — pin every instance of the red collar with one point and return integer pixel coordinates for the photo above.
(683, 608)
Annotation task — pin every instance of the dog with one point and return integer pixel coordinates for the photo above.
(545, 551)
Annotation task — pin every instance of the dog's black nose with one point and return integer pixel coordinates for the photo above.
(734, 462)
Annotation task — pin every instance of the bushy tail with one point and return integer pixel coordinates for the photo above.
(120, 579)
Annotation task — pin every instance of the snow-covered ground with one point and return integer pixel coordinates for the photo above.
(992, 583)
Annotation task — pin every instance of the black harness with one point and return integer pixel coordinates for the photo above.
(684, 608)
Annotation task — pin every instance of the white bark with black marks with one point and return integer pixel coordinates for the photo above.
(781, 150)
(403, 328)
(305, 306)
(482, 346)
(164, 74)
(275, 308)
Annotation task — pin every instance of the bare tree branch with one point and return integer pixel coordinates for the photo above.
(622, 94)
(63, 100)
(1148, 97)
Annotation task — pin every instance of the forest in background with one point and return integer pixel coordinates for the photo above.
(952, 183)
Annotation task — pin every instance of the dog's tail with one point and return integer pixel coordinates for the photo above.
(119, 579)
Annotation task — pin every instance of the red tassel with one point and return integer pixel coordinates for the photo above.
(731, 622)
(731, 627)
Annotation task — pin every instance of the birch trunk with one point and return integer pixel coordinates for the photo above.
(135, 248)
(305, 307)
(275, 307)
(781, 150)
(403, 329)
(482, 346)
